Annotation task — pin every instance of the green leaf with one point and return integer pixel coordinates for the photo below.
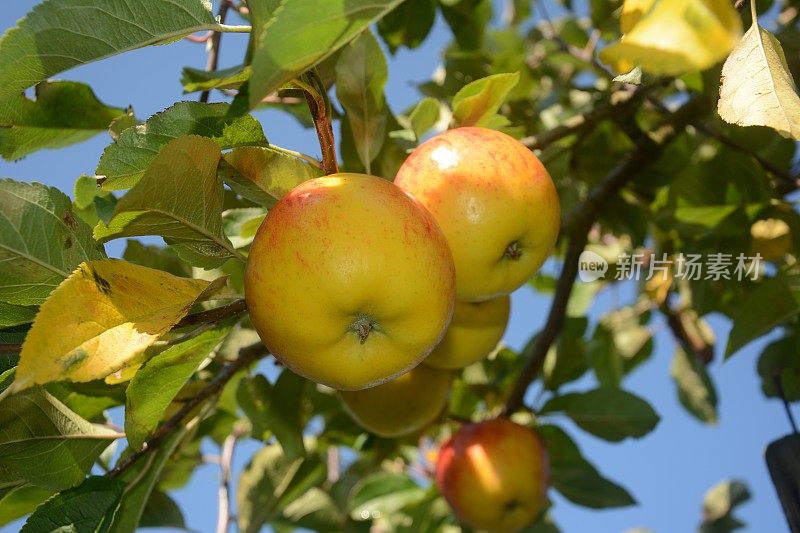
(180, 198)
(275, 409)
(41, 241)
(294, 36)
(315, 510)
(361, 75)
(43, 442)
(265, 175)
(566, 361)
(382, 494)
(60, 34)
(779, 361)
(87, 508)
(477, 102)
(468, 19)
(159, 380)
(124, 162)
(408, 24)
(424, 116)
(696, 391)
(606, 412)
(718, 506)
(162, 511)
(92, 203)
(270, 482)
(14, 315)
(194, 79)
(63, 113)
(576, 478)
(157, 257)
(773, 301)
(20, 501)
(141, 478)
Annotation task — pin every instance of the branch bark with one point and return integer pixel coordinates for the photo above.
(648, 147)
(213, 52)
(247, 356)
(225, 461)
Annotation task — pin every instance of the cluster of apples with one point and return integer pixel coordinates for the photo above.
(382, 290)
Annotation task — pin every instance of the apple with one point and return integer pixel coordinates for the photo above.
(494, 475)
(349, 281)
(495, 202)
(402, 406)
(473, 333)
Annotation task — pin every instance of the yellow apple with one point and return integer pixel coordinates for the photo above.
(494, 475)
(349, 281)
(473, 333)
(402, 406)
(495, 202)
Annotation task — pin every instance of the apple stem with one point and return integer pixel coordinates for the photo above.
(513, 251)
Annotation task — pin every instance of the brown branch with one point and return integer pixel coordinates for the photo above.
(316, 97)
(11, 347)
(213, 315)
(690, 341)
(213, 52)
(619, 104)
(247, 356)
(648, 147)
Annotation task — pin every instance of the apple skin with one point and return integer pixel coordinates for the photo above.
(495, 202)
(494, 475)
(473, 333)
(402, 406)
(349, 281)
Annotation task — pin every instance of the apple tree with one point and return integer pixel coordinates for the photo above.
(669, 129)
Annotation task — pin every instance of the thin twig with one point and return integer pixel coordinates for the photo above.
(316, 97)
(691, 342)
(334, 464)
(648, 147)
(213, 315)
(776, 379)
(247, 356)
(618, 104)
(10, 347)
(225, 461)
(213, 52)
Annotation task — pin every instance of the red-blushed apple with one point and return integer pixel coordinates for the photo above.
(495, 202)
(402, 406)
(473, 333)
(349, 281)
(494, 475)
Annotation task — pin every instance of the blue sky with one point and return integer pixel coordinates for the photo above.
(668, 471)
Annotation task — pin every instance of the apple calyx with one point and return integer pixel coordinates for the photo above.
(362, 326)
(513, 251)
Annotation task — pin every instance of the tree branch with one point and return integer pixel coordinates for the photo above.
(316, 97)
(247, 356)
(213, 315)
(691, 342)
(648, 147)
(213, 52)
(618, 104)
(225, 461)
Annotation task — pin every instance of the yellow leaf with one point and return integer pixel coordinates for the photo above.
(676, 36)
(101, 318)
(757, 88)
(632, 11)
